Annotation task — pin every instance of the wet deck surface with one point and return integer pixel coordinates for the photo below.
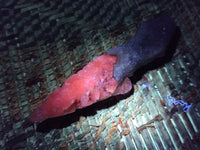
(163, 110)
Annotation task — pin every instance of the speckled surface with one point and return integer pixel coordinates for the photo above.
(42, 43)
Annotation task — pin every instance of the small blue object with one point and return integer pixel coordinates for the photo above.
(172, 100)
(144, 85)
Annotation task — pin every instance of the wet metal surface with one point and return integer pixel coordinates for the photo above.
(43, 43)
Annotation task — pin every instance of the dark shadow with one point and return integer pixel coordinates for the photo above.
(67, 120)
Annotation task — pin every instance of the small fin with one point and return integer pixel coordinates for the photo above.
(124, 87)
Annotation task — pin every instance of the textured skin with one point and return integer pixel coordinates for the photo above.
(93, 83)
(150, 42)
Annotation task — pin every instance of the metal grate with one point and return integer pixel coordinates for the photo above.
(44, 42)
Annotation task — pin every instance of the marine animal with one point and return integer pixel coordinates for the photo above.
(107, 74)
